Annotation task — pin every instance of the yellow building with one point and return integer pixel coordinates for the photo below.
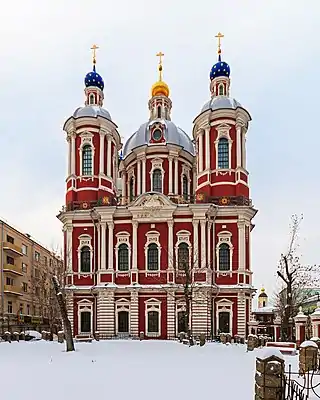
(27, 299)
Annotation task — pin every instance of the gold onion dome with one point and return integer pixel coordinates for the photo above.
(160, 88)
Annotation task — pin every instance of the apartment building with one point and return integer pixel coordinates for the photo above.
(26, 269)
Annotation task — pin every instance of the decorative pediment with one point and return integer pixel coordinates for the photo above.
(152, 205)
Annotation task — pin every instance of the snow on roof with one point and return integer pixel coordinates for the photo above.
(308, 343)
(269, 352)
(264, 310)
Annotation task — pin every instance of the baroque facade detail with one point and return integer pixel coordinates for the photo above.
(137, 213)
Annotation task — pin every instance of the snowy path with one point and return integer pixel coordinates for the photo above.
(123, 369)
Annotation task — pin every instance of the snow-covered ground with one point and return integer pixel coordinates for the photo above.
(126, 369)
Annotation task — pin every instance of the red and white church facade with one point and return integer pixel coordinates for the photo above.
(133, 211)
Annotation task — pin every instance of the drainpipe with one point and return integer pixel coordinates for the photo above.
(1, 270)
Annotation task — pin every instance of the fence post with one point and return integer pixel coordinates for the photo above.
(269, 377)
(308, 357)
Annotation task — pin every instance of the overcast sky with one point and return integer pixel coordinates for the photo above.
(272, 47)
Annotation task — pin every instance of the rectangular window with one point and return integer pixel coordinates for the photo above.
(21, 308)
(223, 153)
(24, 249)
(9, 281)
(10, 239)
(24, 267)
(25, 287)
(37, 256)
(85, 320)
(45, 259)
(10, 260)
(153, 322)
(36, 273)
(10, 307)
(28, 309)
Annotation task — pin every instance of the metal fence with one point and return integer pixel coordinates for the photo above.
(301, 386)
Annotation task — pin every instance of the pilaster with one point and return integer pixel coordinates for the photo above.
(110, 241)
(171, 314)
(134, 314)
(195, 224)
(241, 315)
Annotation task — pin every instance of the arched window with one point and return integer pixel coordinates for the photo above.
(153, 257)
(221, 90)
(131, 189)
(123, 257)
(87, 160)
(185, 187)
(85, 259)
(91, 99)
(223, 153)
(157, 181)
(159, 111)
(224, 257)
(183, 256)
(153, 322)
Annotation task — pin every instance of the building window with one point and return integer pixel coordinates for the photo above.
(24, 249)
(123, 322)
(25, 287)
(131, 189)
(10, 307)
(223, 153)
(24, 267)
(183, 256)
(153, 321)
(21, 308)
(221, 90)
(91, 99)
(123, 257)
(224, 257)
(10, 239)
(85, 259)
(36, 273)
(159, 111)
(45, 261)
(185, 187)
(28, 309)
(9, 281)
(37, 256)
(157, 181)
(87, 160)
(10, 260)
(153, 257)
(85, 321)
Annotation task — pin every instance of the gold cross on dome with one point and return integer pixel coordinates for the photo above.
(219, 36)
(160, 55)
(94, 48)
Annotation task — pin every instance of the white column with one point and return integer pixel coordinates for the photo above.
(102, 314)
(99, 247)
(69, 249)
(103, 246)
(170, 174)
(124, 187)
(200, 151)
(239, 145)
(139, 177)
(110, 241)
(134, 314)
(242, 245)
(244, 152)
(207, 141)
(134, 245)
(73, 154)
(203, 244)
(69, 155)
(170, 245)
(109, 155)
(209, 244)
(176, 182)
(143, 178)
(171, 313)
(110, 313)
(213, 246)
(195, 244)
(101, 163)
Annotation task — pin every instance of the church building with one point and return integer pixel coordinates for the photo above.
(144, 217)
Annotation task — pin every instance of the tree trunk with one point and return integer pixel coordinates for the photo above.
(64, 315)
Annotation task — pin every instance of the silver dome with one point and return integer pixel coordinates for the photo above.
(173, 135)
(91, 111)
(220, 102)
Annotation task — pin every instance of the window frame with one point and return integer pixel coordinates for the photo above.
(87, 161)
(88, 255)
(157, 172)
(223, 156)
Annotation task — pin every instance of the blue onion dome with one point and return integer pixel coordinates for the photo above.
(221, 68)
(94, 79)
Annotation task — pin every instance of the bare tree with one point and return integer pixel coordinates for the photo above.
(64, 314)
(295, 278)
